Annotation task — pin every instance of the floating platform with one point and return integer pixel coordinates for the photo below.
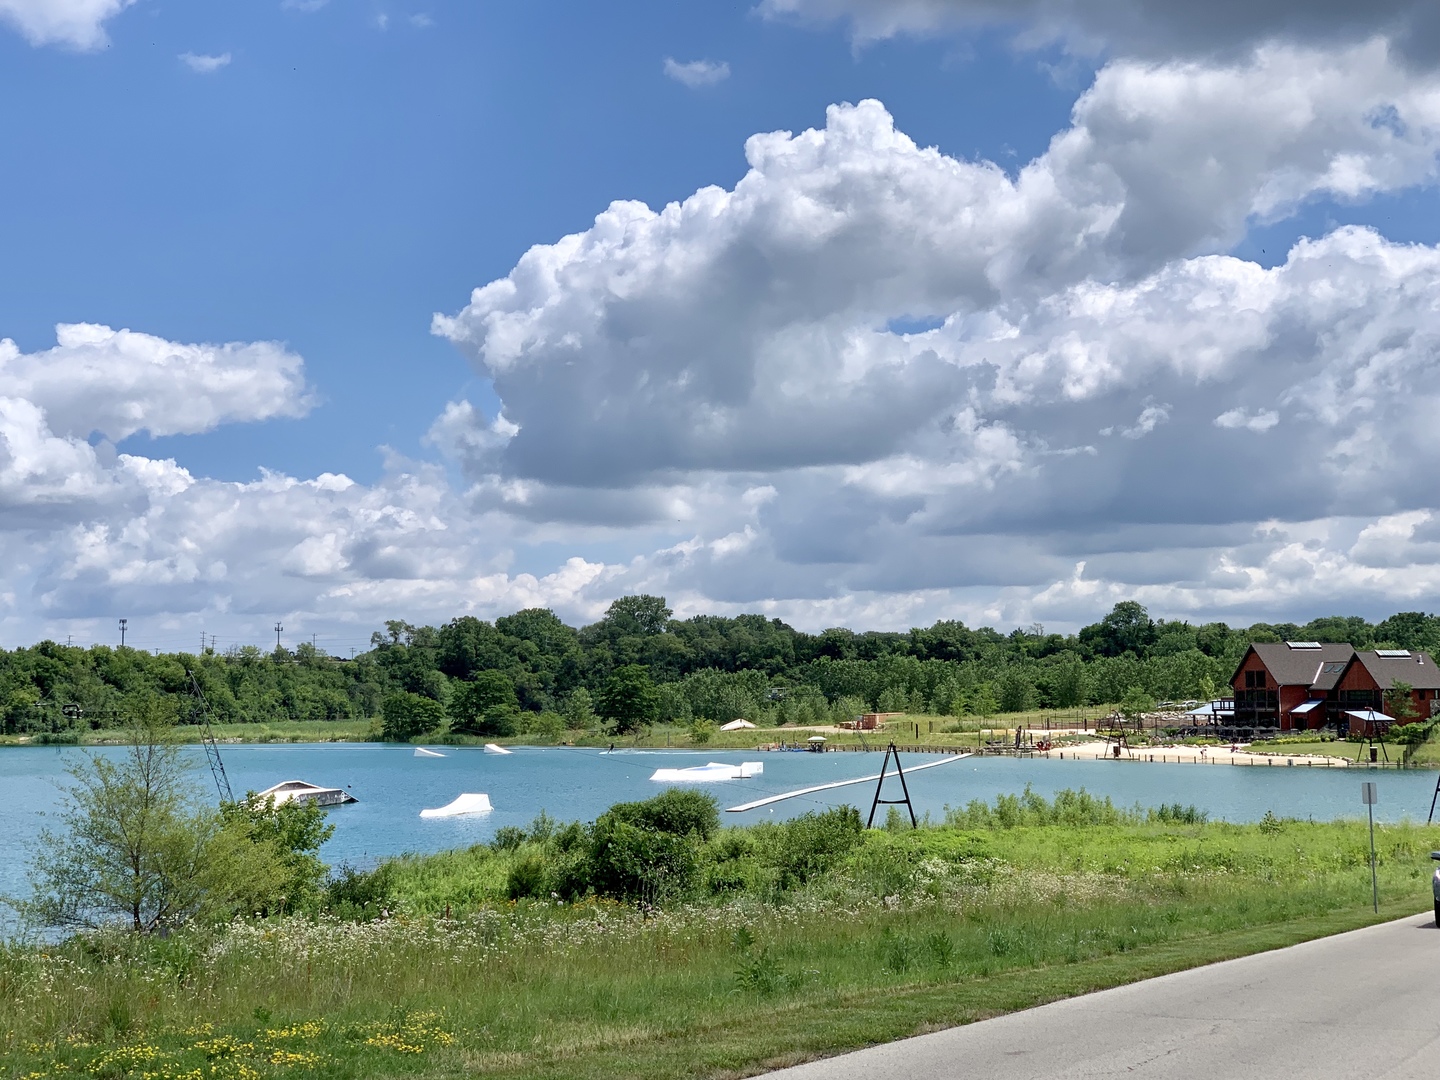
(470, 803)
(715, 770)
(420, 751)
(491, 748)
(300, 791)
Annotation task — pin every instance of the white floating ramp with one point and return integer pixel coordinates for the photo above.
(300, 791)
(491, 748)
(470, 803)
(837, 784)
(715, 770)
(420, 751)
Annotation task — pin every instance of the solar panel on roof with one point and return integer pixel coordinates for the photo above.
(1393, 654)
(1303, 644)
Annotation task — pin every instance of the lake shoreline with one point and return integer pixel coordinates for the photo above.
(763, 740)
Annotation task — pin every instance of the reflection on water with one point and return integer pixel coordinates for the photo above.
(393, 786)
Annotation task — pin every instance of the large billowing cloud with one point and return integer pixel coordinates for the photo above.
(77, 24)
(1161, 28)
(955, 384)
(746, 330)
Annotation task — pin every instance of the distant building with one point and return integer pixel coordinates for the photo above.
(1310, 684)
(1370, 674)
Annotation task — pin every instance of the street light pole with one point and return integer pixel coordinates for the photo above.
(122, 632)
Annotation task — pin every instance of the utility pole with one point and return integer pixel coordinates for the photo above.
(122, 632)
(278, 628)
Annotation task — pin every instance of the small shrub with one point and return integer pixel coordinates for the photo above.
(359, 895)
(676, 811)
(542, 828)
(1005, 941)
(812, 843)
(760, 973)
(1175, 814)
(941, 947)
(527, 878)
(898, 952)
(632, 863)
(508, 838)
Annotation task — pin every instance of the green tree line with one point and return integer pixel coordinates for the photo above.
(530, 672)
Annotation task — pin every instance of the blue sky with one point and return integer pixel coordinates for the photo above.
(340, 179)
(1072, 356)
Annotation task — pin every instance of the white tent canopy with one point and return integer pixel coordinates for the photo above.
(1309, 706)
(736, 725)
(1369, 716)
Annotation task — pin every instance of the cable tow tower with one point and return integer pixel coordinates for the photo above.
(212, 748)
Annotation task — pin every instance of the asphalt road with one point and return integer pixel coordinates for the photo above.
(1360, 1005)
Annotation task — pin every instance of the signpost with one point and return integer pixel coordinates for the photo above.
(1368, 797)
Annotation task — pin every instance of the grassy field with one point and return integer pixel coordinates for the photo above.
(902, 932)
(299, 731)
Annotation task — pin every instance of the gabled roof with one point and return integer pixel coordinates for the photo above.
(1290, 666)
(1415, 668)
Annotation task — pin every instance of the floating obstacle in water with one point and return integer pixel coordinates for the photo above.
(420, 751)
(491, 748)
(713, 771)
(469, 803)
(300, 791)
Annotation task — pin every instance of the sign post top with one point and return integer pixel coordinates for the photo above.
(1367, 794)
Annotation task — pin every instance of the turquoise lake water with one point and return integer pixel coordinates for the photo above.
(393, 786)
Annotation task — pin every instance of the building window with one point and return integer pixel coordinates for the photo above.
(1259, 678)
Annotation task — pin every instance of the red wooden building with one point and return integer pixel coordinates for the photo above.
(1369, 674)
(1307, 684)
(1285, 684)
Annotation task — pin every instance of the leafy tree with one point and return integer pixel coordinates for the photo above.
(487, 705)
(1128, 628)
(984, 703)
(579, 709)
(1136, 703)
(628, 701)
(407, 716)
(546, 726)
(294, 831)
(643, 615)
(1017, 690)
(1398, 702)
(140, 849)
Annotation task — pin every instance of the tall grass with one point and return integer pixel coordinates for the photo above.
(545, 987)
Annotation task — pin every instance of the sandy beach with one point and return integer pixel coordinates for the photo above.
(1199, 755)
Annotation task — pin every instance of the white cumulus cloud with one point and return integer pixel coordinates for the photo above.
(697, 73)
(204, 64)
(77, 24)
